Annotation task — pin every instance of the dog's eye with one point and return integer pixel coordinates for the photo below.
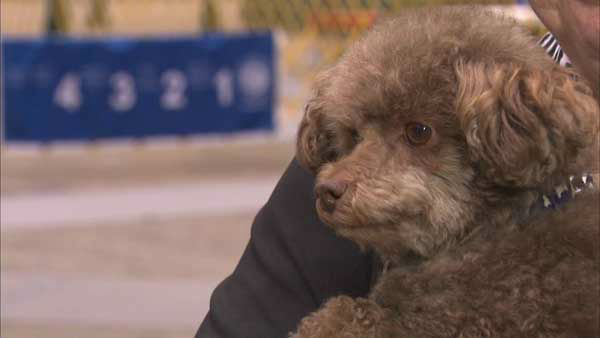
(331, 155)
(417, 133)
(356, 138)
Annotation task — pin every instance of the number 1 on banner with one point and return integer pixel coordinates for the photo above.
(68, 93)
(224, 84)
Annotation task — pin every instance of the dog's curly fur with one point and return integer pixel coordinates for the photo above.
(453, 215)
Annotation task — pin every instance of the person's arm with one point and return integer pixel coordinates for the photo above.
(576, 25)
(292, 264)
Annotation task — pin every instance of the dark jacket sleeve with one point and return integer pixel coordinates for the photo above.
(292, 264)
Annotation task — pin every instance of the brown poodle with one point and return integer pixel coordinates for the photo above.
(448, 142)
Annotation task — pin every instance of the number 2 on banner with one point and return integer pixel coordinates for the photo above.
(68, 93)
(124, 96)
(175, 85)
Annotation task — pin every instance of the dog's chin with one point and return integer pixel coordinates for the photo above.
(393, 237)
(345, 225)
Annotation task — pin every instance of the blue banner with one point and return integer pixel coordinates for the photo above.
(74, 89)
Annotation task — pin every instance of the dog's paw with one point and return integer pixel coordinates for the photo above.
(345, 317)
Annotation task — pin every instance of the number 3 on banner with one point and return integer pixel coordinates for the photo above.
(68, 93)
(124, 96)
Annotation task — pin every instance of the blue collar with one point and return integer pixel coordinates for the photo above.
(562, 194)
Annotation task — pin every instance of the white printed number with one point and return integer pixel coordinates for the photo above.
(124, 96)
(175, 85)
(224, 83)
(68, 93)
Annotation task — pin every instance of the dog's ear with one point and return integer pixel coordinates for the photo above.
(312, 142)
(523, 125)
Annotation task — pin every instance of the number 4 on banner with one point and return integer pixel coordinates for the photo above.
(68, 93)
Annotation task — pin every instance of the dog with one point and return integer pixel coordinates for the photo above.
(449, 143)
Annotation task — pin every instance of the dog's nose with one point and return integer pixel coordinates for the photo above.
(329, 192)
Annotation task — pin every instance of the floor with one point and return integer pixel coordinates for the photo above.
(126, 240)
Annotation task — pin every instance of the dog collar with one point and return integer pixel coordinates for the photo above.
(563, 193)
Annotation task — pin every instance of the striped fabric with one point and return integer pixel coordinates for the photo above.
(550, 44)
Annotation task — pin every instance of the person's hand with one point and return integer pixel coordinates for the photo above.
(576, 25)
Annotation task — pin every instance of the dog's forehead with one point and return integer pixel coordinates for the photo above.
(407, 66)
(407, 90)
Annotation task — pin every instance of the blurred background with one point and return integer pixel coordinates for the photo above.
(140, 138)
